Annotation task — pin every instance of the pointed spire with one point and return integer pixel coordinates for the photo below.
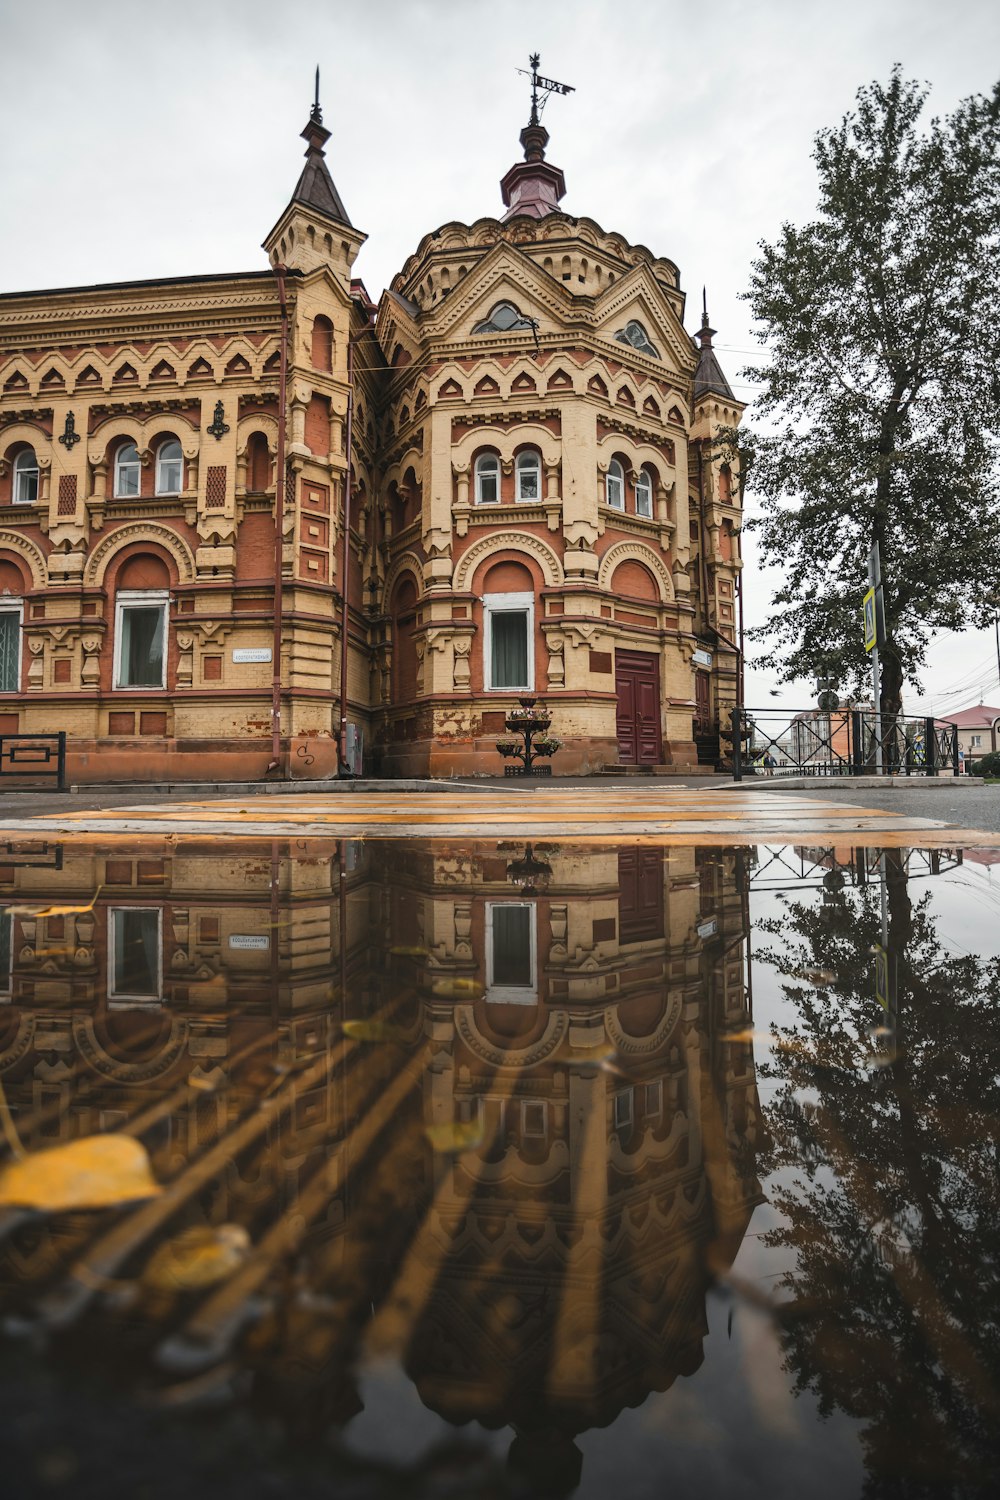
(534, 187)
(316, 188)
(708, 376)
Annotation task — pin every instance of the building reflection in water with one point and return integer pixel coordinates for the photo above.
(520, 1167)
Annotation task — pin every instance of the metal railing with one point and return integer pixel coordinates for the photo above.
(26, 757)
(808, 742)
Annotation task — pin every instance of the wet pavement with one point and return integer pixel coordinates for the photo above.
(492, 1166)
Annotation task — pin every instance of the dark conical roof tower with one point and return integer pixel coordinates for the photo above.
(316, 188)
(708, 376)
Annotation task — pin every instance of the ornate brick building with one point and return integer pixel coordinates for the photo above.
(521, 441)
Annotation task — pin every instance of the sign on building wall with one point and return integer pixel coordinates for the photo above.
(249, 940)
(701, 658)
(252, 653)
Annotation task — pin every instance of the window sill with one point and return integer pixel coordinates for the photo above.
(30, 513)
(645, 526)
(139, 508)
(488, 514)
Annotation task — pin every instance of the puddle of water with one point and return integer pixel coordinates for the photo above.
(499, 1169)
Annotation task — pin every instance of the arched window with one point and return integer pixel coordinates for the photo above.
(169, 468)
(127, 470)
(504, 317)
(322, 343)
(633, 333)
(644, 494)
(529, 475)
(258, 463)
(487, 479)
(25, 477)
(614, 486)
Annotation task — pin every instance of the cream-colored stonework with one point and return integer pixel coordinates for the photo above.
(420, 393)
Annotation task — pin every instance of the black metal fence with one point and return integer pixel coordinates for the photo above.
(32, 757)
(808, 742)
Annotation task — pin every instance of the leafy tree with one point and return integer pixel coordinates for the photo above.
(885, 1171)
(880, 409)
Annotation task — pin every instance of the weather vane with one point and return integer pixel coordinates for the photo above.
(316, 114)
(545, 86)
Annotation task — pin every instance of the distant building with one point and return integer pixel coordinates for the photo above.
(978, 730)
(538, 504)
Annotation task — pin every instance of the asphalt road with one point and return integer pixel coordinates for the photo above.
(967, 807)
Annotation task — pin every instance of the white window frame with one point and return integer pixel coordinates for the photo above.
(24, 471)
(528, 461)
(122, 1000)
(652, 1101)
(15, 607)
(976, 742)
(484, 459)
(120, 467)
(498, 604)
(534, 1135)
(161, 464)
(644, 487)
(512, 994)
(616, 475)
(142, 599)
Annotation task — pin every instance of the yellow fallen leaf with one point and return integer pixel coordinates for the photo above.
(197, 1258)
(456, 1136)
(457, 987)
(373, 1031)
(94, 1172)
(403, 952)
(55, 911)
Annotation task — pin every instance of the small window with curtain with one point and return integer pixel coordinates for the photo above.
(509, 643)
(529, 475)
(135, 947)
(10, 649)
(169, 468)
(487, 479)
(614, 486)
(140, 639)
(644, 494)
(127, 471)
(25, 490)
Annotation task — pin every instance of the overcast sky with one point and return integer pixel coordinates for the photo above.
(142, 140)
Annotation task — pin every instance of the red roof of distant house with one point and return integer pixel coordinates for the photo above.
(980, 717)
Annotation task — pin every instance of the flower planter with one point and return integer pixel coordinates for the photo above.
(529, 721)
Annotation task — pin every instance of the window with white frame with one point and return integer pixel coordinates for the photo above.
(614, 486)
(141, 639)
(487, 479)
(508, 642)
(644, 494)
(529, 475)
(127, 471)
(10, 646)
(135, 955)
(653, 1100)
(534, 1120)
(25, 490)
(169, 468)
(511, 953)
(977, 741)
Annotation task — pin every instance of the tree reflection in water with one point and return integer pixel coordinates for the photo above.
(883, 1161)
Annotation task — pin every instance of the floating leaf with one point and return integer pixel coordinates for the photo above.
(820, 977)
(55, 911)
(373, 1031)
(97, 1171)
(457, 987)
(403, 952)
(197, 1258)
(456, 1137)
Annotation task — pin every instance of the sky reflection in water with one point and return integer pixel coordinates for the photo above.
(503, 1169)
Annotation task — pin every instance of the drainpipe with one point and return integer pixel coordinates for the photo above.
(345, 563)
(279, 526)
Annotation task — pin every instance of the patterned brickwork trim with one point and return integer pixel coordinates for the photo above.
(215, 487)
(67, 494)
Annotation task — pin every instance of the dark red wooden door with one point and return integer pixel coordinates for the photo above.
(637, 684)
(640, 894)
(702, 712)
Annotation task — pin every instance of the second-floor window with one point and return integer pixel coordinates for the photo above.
(614, 486)
(127, 471)
(10, 647)
(487, 479)
(135, 946)
(25, 477)
(644, 494)
(529, 475)
(169, 468)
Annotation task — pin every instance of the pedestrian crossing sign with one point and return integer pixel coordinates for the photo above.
(882, 977)
(871, 627)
